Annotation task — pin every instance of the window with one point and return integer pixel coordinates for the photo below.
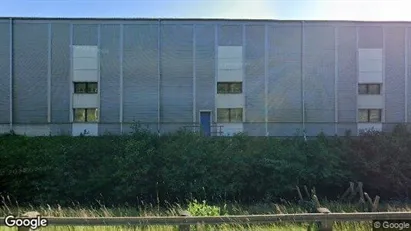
(229, 115)
(229, 88)
(85, 115)
(369, 115)
(85, 88)
(369, 89)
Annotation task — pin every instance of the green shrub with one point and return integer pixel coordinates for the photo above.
(196, 208)
(146, 168)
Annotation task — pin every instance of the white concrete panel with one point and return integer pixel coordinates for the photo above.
(229, 100)
(230, 52)
(370, 77)
(85, 100)
(87, 129)
(85, 75)
(364, 54)
(4, 128)
(32, 130)
(230, 75)
(370, 65)
(370, 101)
(85, 63)
(85, 52)
(363, 127)
(230, 129)
(230, 64)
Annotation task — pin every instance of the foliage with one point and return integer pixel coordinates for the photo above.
(196, 208)
(146, 168)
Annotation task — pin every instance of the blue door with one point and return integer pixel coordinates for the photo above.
(205, 123)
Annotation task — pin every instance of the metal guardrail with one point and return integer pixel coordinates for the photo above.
(184, 222)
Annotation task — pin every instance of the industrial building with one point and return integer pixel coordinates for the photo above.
(73, 76)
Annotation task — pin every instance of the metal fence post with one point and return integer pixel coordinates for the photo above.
(184, 227)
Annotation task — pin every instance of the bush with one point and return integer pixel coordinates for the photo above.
(147, 168)
(203, 209)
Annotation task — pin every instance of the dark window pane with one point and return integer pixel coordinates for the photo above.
(236, 115)
(363, 115)
(236, 88)
(375, 115)
(79, 115)
(80, 88)
(222, 88)
(92, 88)
(92, 115)
(362, 89)
(223, 115)
(374, 89)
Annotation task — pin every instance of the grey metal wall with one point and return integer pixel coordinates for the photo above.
(4, 72)
(230, 35)
(85, 34)
(176, 76)
(60, 72)
(284, 79)
(205, 69)
(319, 76)
(408, 30)
(140, 73)
(370, 36)
(30, 72)
(141, 95)
(347, 79)
(394, 76)
(60, 77)
(110, 79)
(255, 80)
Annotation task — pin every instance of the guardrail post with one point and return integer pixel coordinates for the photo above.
(32, 214)
(184, 227)
(325, 225)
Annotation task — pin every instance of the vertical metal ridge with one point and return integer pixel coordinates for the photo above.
(336, 79)
(406, 75)
(357, 72)
(99, 72)
(244, 43)
(71, 75)
(194, 75)
(159, 78)
(266, 78)
(302, 76)
(383, 75)
(11, 73)
(215, 70)
(121, 45)
(49, 74)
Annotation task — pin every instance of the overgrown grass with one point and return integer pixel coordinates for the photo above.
(197, 208)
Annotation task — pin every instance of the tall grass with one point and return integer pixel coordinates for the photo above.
(196, 208)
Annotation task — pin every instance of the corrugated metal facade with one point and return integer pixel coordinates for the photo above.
(60, 77)
(394, 76)
(30, 65)
(255, 79)
(284, 79)
(4, 72)
(163, 72)
(140, 73)
(347, 79)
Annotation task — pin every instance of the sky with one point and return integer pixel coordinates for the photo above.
(363, 10)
